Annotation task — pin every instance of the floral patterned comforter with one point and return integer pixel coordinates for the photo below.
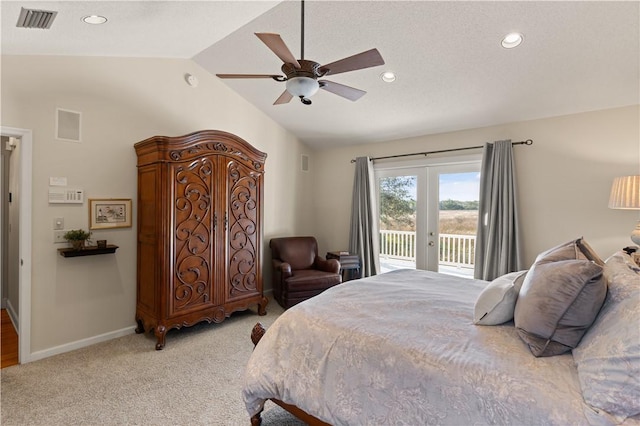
(400, 349)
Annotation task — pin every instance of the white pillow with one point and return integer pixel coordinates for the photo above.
(496, 303)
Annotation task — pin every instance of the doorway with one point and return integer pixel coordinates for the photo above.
(20, 182)
(428, 215)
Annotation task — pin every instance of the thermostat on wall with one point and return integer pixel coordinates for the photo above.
(66, 196)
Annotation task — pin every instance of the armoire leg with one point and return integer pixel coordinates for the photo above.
(140, 327)
(161, 333)
(262, 306)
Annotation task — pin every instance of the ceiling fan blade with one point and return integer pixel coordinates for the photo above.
(348, 92)
(274, 76)
(277, 46)
(370, 58)
(284, 98)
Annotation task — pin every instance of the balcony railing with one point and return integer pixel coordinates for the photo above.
(398, 244)
(455, 250)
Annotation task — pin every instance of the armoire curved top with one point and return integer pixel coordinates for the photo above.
(197, 144)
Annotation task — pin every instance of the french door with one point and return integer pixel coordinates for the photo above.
(428, 216)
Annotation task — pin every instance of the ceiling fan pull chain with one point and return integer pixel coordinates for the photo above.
(302, 32)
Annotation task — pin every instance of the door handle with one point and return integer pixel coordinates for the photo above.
(432, 243)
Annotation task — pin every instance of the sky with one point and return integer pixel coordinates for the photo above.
(455, 186)
(460, 186)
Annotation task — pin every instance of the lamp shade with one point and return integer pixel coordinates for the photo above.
(625, 193)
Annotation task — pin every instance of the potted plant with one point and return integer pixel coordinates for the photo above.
(77, 238)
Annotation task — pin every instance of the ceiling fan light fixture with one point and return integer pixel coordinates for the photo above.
(512, 40)
(302, 87)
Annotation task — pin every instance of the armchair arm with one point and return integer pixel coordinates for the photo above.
(331, 265)
(283, 267)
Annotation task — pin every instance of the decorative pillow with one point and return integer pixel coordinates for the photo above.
(588, 252)
(496, 303)
(608, 357)
(574, 249)
(561, 295)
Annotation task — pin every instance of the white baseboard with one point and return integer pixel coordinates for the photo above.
(80, 343)
(56, 350)
(13, 315)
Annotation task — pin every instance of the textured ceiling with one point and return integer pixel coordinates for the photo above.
(452, 72)
(169, 29)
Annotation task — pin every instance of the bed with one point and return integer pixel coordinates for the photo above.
(402, 348)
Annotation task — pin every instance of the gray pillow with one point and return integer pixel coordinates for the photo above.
(496, 303)
(588, 252)
(560, 298)
(574, 249)
(608, 357)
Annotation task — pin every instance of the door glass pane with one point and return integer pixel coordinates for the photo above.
(398, 208)
(457, 222)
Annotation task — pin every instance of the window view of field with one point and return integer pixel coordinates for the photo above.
(398, 209)
(458, 220)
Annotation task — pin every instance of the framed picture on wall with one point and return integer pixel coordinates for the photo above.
(110, 213)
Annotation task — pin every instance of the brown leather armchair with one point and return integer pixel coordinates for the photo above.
(298, 272)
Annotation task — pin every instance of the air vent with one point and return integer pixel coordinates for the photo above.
(30, 18)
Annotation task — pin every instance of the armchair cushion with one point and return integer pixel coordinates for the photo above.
(310, 279)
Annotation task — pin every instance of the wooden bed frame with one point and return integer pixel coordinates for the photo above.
(256, 334)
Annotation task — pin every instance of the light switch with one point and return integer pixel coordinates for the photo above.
(58, 223)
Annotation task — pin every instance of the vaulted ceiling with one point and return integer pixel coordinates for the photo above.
(452, 72)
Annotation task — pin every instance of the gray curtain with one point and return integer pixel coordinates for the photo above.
(364, 235)
(498, 244)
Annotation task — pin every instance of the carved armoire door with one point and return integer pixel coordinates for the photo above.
(193, 235)
(242, 225)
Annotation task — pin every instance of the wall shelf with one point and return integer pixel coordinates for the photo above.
(87, 251)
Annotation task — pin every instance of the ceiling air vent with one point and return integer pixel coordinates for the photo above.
(30, 18)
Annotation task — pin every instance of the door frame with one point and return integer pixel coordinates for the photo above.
(24, 237)
(425, 182)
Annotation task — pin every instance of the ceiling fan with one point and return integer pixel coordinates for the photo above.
(301, 75)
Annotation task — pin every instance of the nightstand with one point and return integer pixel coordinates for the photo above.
(349, 264)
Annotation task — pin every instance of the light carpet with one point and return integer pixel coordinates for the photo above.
(195, 380)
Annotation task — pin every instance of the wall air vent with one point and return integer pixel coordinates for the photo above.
(30, 18)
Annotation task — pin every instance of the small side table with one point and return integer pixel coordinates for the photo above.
(349, 264)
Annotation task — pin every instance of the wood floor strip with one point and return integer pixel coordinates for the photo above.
(8, 341)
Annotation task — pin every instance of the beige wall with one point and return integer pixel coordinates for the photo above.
(122, 101)
(563, 179)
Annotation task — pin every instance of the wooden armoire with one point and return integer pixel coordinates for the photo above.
(199, 230)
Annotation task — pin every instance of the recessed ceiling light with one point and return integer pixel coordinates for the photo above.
(512, 40)
(94, 19)
(388, 76)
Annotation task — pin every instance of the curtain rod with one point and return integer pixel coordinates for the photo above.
(527, 142)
